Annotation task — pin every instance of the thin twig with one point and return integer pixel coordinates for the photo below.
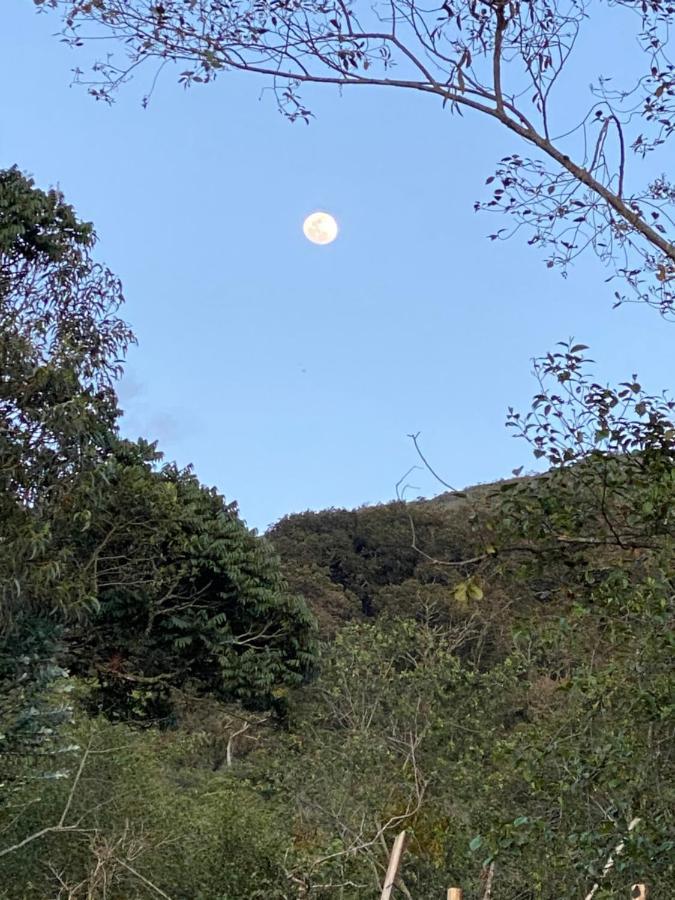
(61, 826)
(488, 882)
(609, 865)
(413, 438)
(142, 878)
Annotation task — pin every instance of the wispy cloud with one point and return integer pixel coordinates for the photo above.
(141, 418)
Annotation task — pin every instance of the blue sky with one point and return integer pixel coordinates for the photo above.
(290, 374)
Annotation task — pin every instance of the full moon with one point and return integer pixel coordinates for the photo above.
(320, 228)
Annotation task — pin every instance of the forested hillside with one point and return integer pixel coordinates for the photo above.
(190, 710)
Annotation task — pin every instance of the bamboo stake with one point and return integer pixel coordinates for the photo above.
(454, 894)
(393, 867)
(639, 892)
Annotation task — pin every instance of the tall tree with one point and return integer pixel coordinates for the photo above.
(60, 348)
(98, 546)
(61, 345)
(501, 59)
(183, 593)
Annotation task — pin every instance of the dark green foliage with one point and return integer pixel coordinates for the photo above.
(60, 343)
(182, 590)
(364, 552)
(142, 817)
(60, 340)
(60, 348)
(37, 224)
(34, 706)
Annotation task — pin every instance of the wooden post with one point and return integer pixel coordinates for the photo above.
(454, 894)
(639, 892)
(393, 867)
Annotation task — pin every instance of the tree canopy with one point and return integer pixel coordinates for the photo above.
(61, 345)
(183, 594)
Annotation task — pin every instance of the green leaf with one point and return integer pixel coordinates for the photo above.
(460, 592)
(475, 591)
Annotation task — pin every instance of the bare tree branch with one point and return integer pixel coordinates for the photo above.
(61, 825)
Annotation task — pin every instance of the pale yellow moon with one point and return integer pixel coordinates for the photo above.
(320, 228)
